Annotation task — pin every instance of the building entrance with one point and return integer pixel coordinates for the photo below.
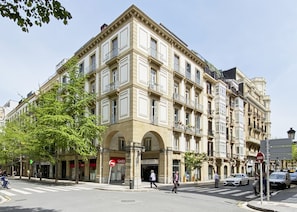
(146, 171)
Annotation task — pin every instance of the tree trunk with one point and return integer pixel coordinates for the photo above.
(76, 169)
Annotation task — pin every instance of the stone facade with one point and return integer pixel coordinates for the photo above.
(161, 99)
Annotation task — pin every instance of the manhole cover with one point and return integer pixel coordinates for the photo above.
(128, 200)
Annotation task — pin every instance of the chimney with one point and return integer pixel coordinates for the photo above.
(104, 26)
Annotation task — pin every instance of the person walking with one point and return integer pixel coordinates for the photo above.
(175, 182)
(153, 179)
(217, 179)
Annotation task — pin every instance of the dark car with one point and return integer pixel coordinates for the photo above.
(280, 180)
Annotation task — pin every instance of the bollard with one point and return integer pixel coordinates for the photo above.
(131, 184)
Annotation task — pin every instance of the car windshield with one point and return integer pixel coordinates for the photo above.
(277, 176)
(237, 176)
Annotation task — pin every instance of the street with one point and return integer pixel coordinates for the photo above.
(24, 196)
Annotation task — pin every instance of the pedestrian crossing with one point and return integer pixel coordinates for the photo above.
(39, 190)
(221, 191)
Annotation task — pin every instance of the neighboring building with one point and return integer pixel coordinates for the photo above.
(5, 109)
(159, 100)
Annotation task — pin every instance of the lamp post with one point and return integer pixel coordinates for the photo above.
(291, 135)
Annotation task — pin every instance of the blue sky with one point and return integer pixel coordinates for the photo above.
(258, 37)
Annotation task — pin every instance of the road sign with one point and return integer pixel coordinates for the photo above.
(112, 163)
(279, 149)
(260, 157)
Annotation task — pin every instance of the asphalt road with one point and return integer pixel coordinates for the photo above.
(24, 196)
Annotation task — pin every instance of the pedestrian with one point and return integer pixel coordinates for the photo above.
(175, 182)
(217, 179)
(153, 179)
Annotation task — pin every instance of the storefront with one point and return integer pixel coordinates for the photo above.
(117, 174)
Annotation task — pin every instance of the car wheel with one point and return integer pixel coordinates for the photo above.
(248, 182)
(240, 183)
(289, 186)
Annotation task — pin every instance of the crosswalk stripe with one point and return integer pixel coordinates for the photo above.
(46, 189)
(250, 196)
(242, 193)
(7, 193)
(230, 192)
(218, 190)
(20, 191)
(34, 190)
(58, 188)
(85, 188)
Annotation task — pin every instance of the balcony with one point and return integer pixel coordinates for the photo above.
(178, 126)
(155, 89)
(199, 107)
(112, 58)
(112, 89)
(179, 72)
(190, 104)
(198, 132)
(179, 99)
(155, 57)
(210, 113)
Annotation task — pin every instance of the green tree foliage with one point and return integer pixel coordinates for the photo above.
(58, 121)
(15, 141)
(63, 120)
(27, 13)
(194, 160)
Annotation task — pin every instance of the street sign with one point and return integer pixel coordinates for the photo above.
(112, 163)
(260, 157)
(279, 149)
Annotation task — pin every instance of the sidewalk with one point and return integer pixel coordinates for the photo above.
(270, 206)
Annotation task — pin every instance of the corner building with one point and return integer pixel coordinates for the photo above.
(159, 99)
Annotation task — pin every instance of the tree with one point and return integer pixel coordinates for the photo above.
(194, 160)
(63, 121)
(15, 142)
(27, 13)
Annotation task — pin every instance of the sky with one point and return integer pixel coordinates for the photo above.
(258, 37)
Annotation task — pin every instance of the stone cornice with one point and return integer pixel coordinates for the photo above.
(134, 12)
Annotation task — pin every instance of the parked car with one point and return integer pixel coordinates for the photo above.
(237, 180)
(293, 177)
(280, 180)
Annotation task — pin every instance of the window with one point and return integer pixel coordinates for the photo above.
(153, 48)
(210, 149)
(93, 62)
(188, 70)
(176, 63)
(197, 77)
(208, 88)
(64, 79)
(92, 87)
(122, 145)
(197, 122)
(81, 68)
(175, 88)
(187, 96)
(176, 143)
(187, 145)
(114, 111)
(148, 144)
(154, 115)
(187, 119)
(197, 147)
(114, 47)
(176, 119)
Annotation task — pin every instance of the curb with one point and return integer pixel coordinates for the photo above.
(259, 208)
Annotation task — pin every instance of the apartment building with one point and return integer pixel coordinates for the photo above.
(161, 99)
